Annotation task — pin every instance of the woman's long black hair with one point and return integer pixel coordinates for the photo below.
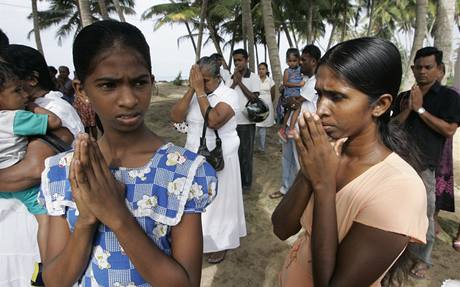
(373, 66)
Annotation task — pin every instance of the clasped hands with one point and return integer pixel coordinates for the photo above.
(97, 194)
(196, 79)
(319, 156)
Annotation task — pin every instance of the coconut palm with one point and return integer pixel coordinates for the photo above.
(120, 10)
(271, 43)
(103, 9)
(248, 32)
(38, 40)
(181, 12)
(204, 8)
(65, 14)
(85, 12)
(445, 13)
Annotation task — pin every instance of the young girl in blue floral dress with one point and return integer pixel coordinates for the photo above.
(125, 210)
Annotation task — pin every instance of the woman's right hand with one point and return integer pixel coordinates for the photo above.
(196, 79)
(76, 175)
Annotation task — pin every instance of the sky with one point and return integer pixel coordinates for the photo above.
(168, 59)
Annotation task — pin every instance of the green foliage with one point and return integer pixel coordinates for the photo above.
(178, 80)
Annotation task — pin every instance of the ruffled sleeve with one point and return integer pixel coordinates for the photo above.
(203, 189)
(55, 192)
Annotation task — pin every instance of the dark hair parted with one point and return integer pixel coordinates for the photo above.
(102, 36)
(241, 52)
(266, 67)
(428, 51)
(313, 51)
(373, 66)
(292, 52)
(29, 63)
(6, 74)
(210, 64)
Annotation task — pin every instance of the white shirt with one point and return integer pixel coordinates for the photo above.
(225, 74)
(311, 97)
(266, 97)
(253, 84)
(53, 102)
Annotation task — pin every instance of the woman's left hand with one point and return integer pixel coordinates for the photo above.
(102, 193)
(196, 79)
(318, 158)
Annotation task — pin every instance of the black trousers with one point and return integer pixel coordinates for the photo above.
(246, 133)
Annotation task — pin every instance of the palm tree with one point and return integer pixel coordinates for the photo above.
(248, 32)
(103, 9)
(85, 12)
(173, 13)
(65, 14)
(204, 8)
(38, 40)
(119, 10)
(419, 36)
(457, 71)
(443, 31)
(270, 37)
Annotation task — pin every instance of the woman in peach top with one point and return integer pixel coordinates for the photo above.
(359, 200)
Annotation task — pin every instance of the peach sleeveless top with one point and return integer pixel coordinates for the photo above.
(389, 196)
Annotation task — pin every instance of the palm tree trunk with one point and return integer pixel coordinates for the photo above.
(230, 58)
(265, 53)
(247, 15)
(419, 37)
(294, 37)
(457, 71)
(204, 7)
(215, 41)
(445, 11)
(371, 16)
(190, 35)
(257, 55)
(270, 39)
(85, 12)
(279, 39)
(103, 9)
(38, 39)
(309, 27)
(331, 37)
(288, 36)
(117, 5)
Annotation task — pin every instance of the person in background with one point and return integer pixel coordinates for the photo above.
(53, 73)
(430, 113)
(267, 95)
(292, 83)
(307, 103)
(223, 222)
(247, 86)
(64, 84)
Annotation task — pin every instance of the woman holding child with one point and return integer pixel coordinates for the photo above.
(360, 202)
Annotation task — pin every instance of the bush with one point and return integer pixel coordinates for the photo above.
(178, 80)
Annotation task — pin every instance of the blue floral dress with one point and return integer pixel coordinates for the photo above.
(174, 181)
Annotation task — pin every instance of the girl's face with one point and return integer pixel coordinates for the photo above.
(262, 71)
(292, 61)
(119, 88)
(345, 111)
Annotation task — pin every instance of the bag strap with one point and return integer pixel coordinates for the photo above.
(205, 125)
(55, 142)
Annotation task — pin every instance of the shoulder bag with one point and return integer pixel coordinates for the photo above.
(215, 157)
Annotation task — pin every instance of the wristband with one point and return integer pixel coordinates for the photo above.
(421, 111)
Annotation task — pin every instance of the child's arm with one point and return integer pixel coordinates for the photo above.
(286, 82)
(54, 122)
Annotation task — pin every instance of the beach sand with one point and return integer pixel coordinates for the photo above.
(261, 254)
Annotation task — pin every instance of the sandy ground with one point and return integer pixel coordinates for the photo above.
(259, 258)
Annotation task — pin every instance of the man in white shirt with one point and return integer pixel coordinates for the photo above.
(307, 102)
(247, 86)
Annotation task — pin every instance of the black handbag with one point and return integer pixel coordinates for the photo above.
(215, 157)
